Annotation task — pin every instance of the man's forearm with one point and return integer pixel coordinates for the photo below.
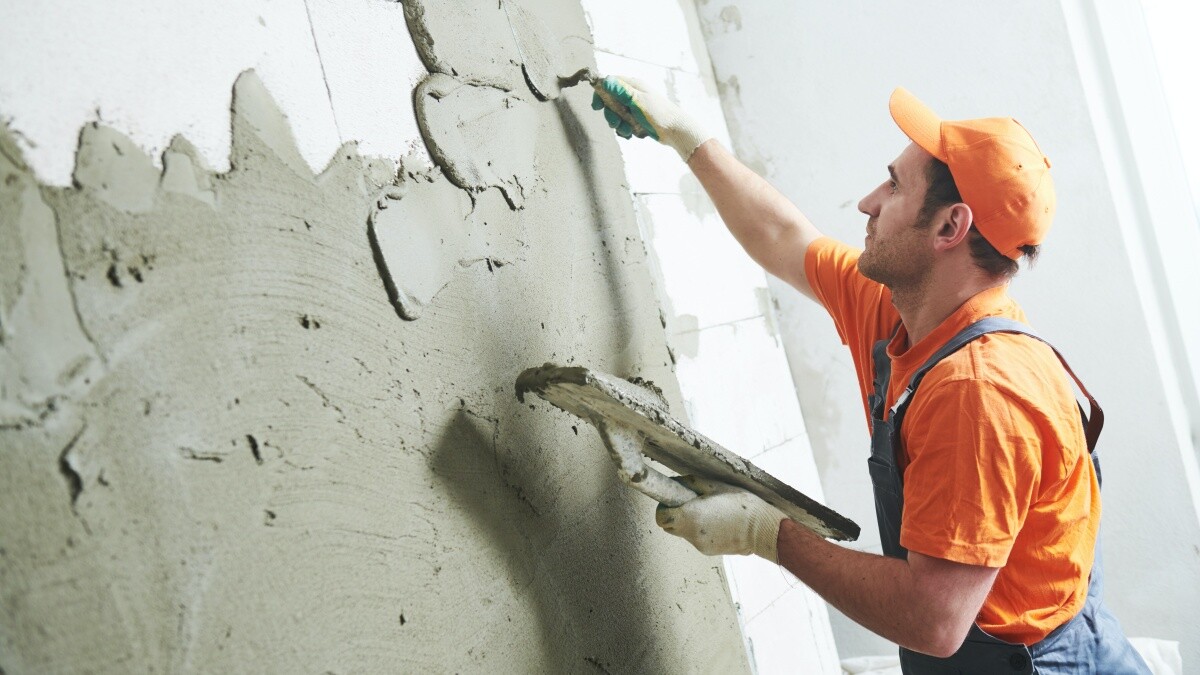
(771, 229)
(885, 595)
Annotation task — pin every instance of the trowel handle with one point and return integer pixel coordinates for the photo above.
(625, 448)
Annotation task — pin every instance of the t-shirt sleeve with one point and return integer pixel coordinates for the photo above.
(973, 471)
(862, 309)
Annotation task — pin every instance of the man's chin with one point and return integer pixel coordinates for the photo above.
(867, 270)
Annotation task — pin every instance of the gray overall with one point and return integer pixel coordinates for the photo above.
(1091, 642)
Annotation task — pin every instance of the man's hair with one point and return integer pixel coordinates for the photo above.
(943, 191)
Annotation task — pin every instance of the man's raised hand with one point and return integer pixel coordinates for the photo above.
(633, 109)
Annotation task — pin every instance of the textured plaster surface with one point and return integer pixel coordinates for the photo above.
(226, 444)
(470, 128)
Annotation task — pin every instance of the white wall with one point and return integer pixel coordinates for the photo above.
(154, 69)
(805, 88)
(1156, 207)
(730, 362)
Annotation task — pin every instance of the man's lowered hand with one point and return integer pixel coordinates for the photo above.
(724, 520)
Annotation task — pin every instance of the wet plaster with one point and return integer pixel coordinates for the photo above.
(226, 444)
(510, 44)
(483, 136)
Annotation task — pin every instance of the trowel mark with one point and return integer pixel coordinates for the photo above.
(67, 468)
(417, 235)
(480, 134)
(473, 39)
(501, 42)
(537, 46)
(72, 476)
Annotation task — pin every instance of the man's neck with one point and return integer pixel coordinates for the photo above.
(925, 306)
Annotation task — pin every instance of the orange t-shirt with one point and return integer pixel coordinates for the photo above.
(995, 466)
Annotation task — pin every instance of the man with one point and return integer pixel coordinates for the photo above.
(986, 491)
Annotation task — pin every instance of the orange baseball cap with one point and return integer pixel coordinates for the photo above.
(998, 168)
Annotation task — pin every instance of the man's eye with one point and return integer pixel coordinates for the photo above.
(892, 183)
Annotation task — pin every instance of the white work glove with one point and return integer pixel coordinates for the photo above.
(634, 110)
(724, 520)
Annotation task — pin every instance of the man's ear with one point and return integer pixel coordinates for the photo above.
(953, 226)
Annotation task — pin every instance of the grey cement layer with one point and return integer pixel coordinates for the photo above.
(469, 130)
(222, 450)
(511, 44)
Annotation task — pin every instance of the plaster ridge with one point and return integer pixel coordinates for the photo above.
(414, 16)
(117, 170)
(539, 49)
(255, 112)
(14, 271)
(83, 327)
(185, 172)
(71, 475)
(385, 275)
(9, 147)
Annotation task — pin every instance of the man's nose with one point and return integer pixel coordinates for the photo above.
(870, 204)
(867, 206)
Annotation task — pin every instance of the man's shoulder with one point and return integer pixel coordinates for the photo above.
(1008, 369)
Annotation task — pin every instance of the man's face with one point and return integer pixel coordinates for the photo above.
(897, 252)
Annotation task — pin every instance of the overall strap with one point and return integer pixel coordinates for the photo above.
(996, 324)
(883, 371)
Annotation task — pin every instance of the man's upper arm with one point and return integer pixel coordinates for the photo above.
(955, 593)
(792, 258)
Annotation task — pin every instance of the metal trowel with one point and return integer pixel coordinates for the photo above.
(635, 423)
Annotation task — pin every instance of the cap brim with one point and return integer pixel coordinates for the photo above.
(917, 122)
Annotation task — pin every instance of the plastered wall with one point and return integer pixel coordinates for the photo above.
(257, 409)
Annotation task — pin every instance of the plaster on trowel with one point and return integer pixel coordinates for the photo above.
(634, 422)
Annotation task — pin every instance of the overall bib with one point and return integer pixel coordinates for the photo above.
(1090, 642)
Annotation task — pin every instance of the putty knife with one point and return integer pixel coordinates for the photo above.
(634, 423)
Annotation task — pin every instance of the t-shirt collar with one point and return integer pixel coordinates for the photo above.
(988, 302)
